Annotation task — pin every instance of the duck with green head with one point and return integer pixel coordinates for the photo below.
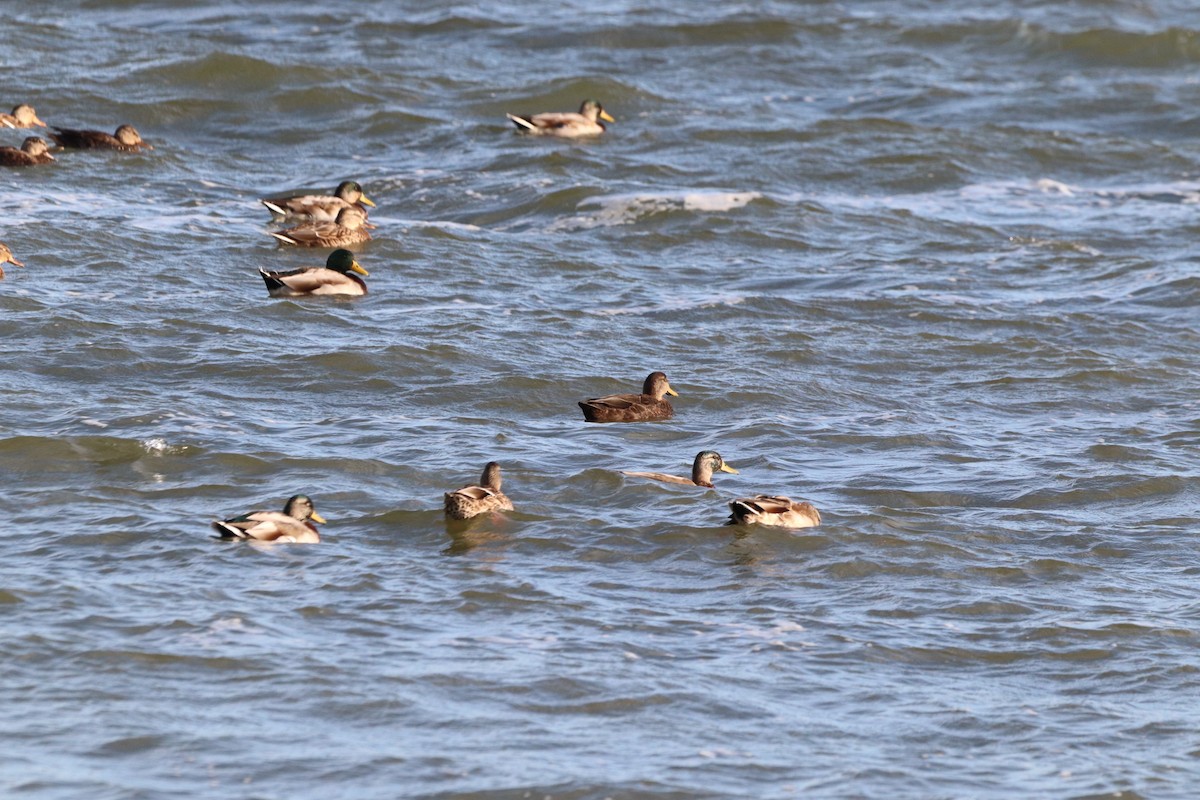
(320, 207)
(568, 124)
(704, 465)
(333, 278)
(290, 525)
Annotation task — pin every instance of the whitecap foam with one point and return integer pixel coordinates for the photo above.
(625, 209)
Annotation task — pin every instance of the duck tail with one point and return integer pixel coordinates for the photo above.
(274, 209)
(228, 531)
(270, 280)
(521, 122)
(283, 237)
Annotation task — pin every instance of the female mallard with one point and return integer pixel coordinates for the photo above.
(782, 512)
(648, 406)
(319, 207)
(272, 526)
(565, 123)
(707, 462)
(471, 501)
(127, 139)
(22, 116)
(6, 257)
(333, 278)
(349, 228)
(33, 151)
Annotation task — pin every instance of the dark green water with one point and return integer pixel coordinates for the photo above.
(930, 266)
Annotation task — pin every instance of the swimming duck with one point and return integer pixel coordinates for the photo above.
(22, 116)
(6, 257)
(648, 406)
(333, 278)
(127, 139)
(319, 207)
(707, 462)
(781, 512)
(272, 526)
(565, 123)
(33, 151)
(471, 501)
(349, 228)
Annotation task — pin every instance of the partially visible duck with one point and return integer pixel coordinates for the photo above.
(22, 116)
(349, 228)
(320, 207)
(292, 525)
(333, 278)
(779, 511)
(648, 406)
(569, 124)
(127, 139)
(6, 257)
(705, 464)
(33, 151)
(471, 501)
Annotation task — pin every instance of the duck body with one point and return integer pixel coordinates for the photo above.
(320, 207)
(33, 151)
(349, 229)
(127, 139)
(6, 257)
(567, 124)
(777, 511)
(705, 464)
(22, 116)
(649, 406)
(471, 501)
(290, 525)
(333, 278)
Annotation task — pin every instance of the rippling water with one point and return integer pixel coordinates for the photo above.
(928, 265)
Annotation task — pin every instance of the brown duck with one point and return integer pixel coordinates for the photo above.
(127, 139)
(6, 257)
(22, 116)
(349, 229)
(471, 501)
(290, 525)
(33, 151)
(779, 511)
(648, 406)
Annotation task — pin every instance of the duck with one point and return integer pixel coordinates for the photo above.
(290, 525)
(33, 151)
(778, 511)
(349, 228)
(333, 278)
(22, 116)
(648, 406)
(127, 139)
(471, 501)
(569, 124)
(706, 463)
(319, 207)
(6, 257)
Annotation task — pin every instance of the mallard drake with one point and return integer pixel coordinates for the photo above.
(706, 463)
(22, 116)
(127, 139)
(349, 228)
(781, 512)
(292, 525)
(585, 122)
(33, 151)
(470, 501)
(320, 207)
(333, 278)
(648, 406)
(6, 257)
